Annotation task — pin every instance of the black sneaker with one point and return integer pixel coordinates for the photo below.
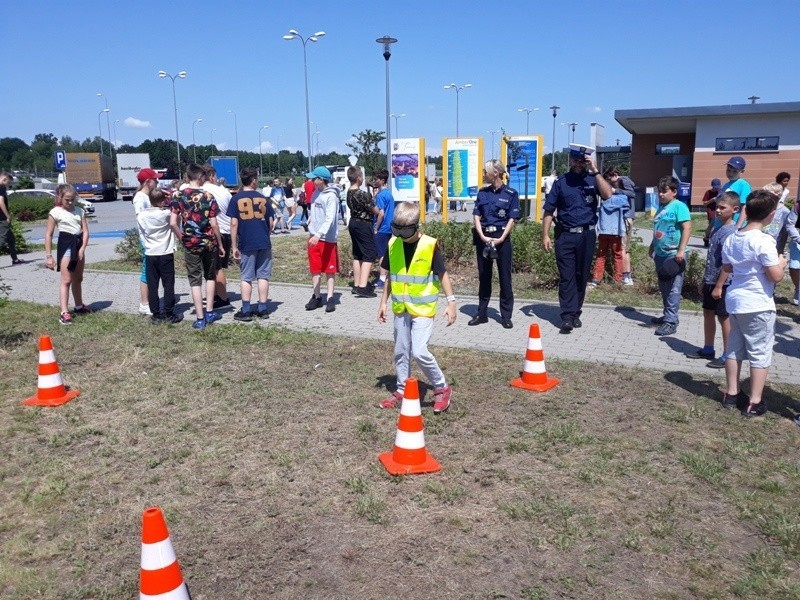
(220, 303)
(364, 292)
(314, 303)
(330, 306)
(666, 329)
(261, 314)
(755, 410)
(158, 319)
(739, 401)
(174, 318)
(657, 321)
(566, 326)
(576, 322)
(244, 317)
(700, 354)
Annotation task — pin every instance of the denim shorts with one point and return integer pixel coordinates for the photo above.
(256, 264)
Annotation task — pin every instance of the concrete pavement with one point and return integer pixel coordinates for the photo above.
(619, 335)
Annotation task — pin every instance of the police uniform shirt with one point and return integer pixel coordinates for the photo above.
(496, 207)
(574, 198)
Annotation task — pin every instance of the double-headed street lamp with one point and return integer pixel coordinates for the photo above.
(180, 75)
(527, 112)
(261, 152)
(194, 145)
(573, 125)
(294, 35)
(396, 117)
(108, 126)
(387, 41)
(457, 88)
(100, 127)
(554, 108)
(492, 132)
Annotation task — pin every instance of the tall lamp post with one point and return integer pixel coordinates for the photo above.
(573, 125)
(260, 151)
(115, 132)
(294, 35)
(457, 88)
(108, 126)
(180, 75)
(492, 132)
(213, 148)
(316, 154)
(387, 41)
(194, 145)
(100, 127)
(396, 117)
(235, 132)
(554, 108)
(527, 112)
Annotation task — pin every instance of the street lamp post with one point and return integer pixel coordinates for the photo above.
(115, 132)
(294, 35)
(194, 145)
(108, 127)
(316, 154)
(180, 75)
(100, 127)
(396, 117)
(213, 148)
(260, 151)
(457, 88)
(235, 132)
(387, 41)
(554, 108)
(572, 126)
(527, 112)
(492, 132)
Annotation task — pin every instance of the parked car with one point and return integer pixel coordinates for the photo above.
(86, 205)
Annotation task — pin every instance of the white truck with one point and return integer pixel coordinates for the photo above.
(128, 165)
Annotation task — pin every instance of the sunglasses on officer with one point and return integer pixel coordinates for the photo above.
(404, 231)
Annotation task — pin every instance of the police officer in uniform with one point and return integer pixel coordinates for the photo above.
(496, 209)
(574, 200)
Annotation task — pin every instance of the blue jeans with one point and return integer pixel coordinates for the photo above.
(670, 292)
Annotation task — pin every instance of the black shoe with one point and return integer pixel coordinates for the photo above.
(700, 354)
(261, 314)
(330, 305)
(244, 317)
(705, 243)
(566, 326)
(477, 320)
(304, 226)
(666, 329)
(220, 303)
(739, 401)
(657, 321)
(755, 410)
(314, 303)
(364, 292)
(17, 261)
(507, 324)
(175, 318)
(158, 319)
(576, 322)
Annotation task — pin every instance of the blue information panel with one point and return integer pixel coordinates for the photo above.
(60, 160)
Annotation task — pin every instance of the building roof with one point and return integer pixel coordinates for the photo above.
(684, 119)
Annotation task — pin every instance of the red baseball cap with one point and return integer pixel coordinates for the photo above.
(145, 174)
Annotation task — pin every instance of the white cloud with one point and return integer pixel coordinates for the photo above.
(594, 109)
(291, 149)
(265, 147)
(221, 145)
(136, 123)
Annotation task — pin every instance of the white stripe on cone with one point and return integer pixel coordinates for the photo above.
(535, 366)
(534, 343)
(50, 381)
(179, 593)
(46, 357)
(157, 555)
(410, 408)
(410, 440)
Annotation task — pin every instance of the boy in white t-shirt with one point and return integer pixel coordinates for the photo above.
(159, 243)
(750, 255)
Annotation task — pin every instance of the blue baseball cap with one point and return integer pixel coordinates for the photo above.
(737, 162)
(715, 183)
(320, 172)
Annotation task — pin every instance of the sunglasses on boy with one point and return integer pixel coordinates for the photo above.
(404, 231)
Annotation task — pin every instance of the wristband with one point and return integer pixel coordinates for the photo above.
(450, 298)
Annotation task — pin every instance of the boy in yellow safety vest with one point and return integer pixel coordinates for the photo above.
(417, 274)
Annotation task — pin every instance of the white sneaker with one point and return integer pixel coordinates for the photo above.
(795, 301)
(144, 309)
(627, 281)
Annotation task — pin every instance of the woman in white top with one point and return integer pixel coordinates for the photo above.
(148, 181)
(73, 236)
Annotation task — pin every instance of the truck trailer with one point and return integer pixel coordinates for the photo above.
(128, 166)
(92, 176)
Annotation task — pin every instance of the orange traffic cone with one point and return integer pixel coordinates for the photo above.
(160, 576)
(409, 456)
(534, 375)
(51, 391)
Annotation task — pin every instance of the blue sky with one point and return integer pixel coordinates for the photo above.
(588, 58)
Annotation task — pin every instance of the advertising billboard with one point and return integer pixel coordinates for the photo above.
(462, 167)
(408, 170)
(522, 156)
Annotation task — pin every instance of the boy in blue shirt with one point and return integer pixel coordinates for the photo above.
(672, 227)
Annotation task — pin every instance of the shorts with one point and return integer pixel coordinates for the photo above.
(382, 243)
(710, 303)
(794, 255)
(626, 239)
(363, 240)
(201, 266)
(224, 261)
(752, 337)
(323, 258)
(290, 202)
(143, 274)
(256, 264)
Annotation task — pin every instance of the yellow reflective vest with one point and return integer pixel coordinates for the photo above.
(414, 290)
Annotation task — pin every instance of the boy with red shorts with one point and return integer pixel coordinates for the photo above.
(323, 252)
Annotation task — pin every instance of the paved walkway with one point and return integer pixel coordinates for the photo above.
(619, 335)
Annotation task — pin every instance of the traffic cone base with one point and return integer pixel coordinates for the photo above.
(409, 456)
(51, 390)
(534, 374)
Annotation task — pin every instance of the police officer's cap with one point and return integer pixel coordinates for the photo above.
(580, 151)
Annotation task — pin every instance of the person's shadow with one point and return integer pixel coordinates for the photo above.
(544, 312)
(777, 402)
(785, 342)
(388, 383)
(629, 312)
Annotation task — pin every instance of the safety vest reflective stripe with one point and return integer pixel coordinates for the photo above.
(402, 278)
(415, 299)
